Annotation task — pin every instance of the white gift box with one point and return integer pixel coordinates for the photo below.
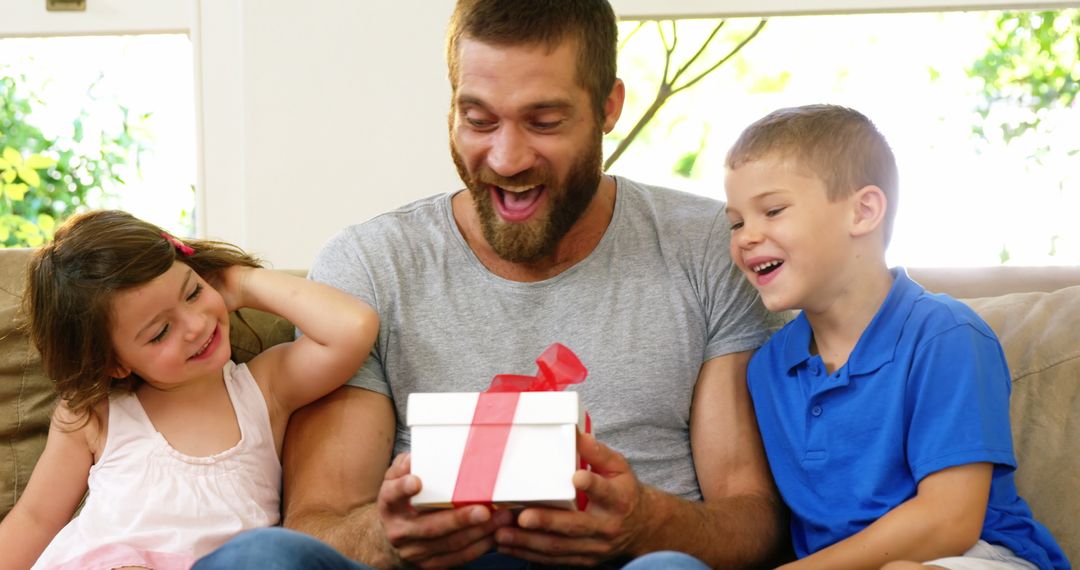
(538, 461)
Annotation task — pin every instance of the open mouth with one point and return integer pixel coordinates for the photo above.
(767, 267)
(206, 346)
(517, 203)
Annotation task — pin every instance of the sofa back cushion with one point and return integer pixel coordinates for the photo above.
(26, 398)
(1039, 334)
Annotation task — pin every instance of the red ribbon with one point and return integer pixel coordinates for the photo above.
(558, 367)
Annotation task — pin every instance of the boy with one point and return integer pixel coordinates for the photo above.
(884, 409)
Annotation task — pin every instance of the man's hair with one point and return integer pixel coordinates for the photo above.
(839, 145)
(590, 23)
(70, 285)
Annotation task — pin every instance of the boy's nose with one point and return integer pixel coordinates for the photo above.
(747, 237)
(510, 153)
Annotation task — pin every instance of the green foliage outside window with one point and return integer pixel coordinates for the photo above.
(44, 179)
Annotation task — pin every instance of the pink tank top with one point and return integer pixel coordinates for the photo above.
(151, 505)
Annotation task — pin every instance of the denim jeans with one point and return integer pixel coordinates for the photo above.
(276, 548)
(282, 549)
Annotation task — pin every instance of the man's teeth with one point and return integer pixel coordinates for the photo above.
(767, 265)
(517, 189)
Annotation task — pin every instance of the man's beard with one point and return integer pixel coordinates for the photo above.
(537, 238)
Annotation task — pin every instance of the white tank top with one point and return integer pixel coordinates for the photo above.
(151, 505)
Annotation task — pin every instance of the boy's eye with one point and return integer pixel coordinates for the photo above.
(195, 292)
(160, 335)
(736, 225)
(772, 212)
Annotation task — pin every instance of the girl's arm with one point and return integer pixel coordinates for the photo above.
(338, 333)
(944, 518)
(56, 487)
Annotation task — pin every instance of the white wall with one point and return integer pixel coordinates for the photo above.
(320, 117)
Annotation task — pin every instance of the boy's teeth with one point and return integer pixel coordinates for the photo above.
(763, 266)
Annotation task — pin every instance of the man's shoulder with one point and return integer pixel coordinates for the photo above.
(386, 235)
(669, 201)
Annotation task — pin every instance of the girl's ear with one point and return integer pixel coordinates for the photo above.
(870, 206)
(119, 371)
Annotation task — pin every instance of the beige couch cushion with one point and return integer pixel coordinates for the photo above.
(1040, 333)
(25, 393)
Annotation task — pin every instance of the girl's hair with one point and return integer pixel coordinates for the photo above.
(70, 284)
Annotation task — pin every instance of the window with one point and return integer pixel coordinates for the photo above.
(120, 110)
(964, 199)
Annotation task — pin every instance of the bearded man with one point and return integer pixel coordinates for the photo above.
(544, 247)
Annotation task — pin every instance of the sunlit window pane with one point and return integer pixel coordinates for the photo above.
(123, 102)
(964, 200)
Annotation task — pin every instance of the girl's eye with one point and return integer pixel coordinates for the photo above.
(736, 225)
(195, 293)
(774, 212)
(160, 335)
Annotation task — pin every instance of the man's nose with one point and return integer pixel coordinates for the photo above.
(510, 152)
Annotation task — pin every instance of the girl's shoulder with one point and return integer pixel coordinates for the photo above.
(91, 427)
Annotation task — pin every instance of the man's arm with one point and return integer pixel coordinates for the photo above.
(737, 524)
(336, 452)
(337, 488)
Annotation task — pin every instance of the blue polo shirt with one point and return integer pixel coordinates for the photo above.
(926, 388)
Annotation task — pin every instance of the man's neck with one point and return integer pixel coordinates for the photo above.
(575, 246)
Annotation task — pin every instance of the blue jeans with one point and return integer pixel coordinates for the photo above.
(277, 548)
(666, 560)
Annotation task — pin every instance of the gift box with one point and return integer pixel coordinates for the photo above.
(512, 445)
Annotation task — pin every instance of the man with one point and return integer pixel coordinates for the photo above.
(543, 247)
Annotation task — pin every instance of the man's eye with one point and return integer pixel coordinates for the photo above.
(479, 123)
(546, 125)
(160, 336)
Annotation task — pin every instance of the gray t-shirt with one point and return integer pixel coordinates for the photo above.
(656, 298)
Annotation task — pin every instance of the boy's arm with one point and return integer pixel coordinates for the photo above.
(338, 332)
(944, 518)
(56, 487)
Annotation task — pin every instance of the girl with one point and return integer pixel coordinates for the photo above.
(178, 446)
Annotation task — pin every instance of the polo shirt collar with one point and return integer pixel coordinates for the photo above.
(878, 342)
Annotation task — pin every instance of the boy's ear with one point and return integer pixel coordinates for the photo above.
(870, 206)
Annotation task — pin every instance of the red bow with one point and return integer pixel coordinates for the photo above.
(558, 367)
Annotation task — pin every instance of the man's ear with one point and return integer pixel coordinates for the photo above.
(613, 105)
(869, 208)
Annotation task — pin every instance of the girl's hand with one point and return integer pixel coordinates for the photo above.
(230, 283)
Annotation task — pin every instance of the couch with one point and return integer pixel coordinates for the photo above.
(1035, 312)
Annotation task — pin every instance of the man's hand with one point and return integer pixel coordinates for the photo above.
(435, 539)
(611, 524)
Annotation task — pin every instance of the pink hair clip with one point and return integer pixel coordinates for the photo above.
(183, 248)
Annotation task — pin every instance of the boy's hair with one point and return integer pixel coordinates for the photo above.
(69, 290)
(591, 23)
(840, 145)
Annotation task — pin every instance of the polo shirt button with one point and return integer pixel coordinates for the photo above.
(816, 410)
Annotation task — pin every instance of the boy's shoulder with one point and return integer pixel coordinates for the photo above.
(938, 312)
